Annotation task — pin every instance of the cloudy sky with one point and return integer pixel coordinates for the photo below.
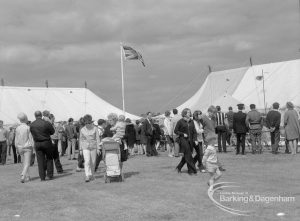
(68, 42)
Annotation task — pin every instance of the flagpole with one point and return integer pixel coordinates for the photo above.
(122, 72)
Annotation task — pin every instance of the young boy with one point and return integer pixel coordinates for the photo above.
(210, 160)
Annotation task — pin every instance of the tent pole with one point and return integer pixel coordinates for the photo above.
(263, 78)
(122, 72)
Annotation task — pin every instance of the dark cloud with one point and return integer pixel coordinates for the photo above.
(68, 42)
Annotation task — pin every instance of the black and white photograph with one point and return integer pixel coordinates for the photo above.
(149, 110)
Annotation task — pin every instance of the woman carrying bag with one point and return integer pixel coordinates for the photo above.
(24, 144)
(186, 131)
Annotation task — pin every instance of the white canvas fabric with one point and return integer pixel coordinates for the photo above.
(225, 101)
(281, 81)
(215, 86)
(62, 102)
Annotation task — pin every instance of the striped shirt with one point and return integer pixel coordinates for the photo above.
(220, 119)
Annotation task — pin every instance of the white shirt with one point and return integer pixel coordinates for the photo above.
(23, 137)
(89, 138)
(168, 126)
(199, 130)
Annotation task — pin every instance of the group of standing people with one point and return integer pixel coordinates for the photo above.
(253, 122)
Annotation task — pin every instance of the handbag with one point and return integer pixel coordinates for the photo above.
(80, 161)
(32, 159)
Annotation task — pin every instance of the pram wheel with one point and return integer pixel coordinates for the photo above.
(107, 179)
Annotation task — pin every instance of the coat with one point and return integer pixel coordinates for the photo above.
(184, 127)
(239, 123)
(130, 135)
(291, 125)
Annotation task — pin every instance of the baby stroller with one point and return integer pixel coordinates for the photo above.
(112, 160)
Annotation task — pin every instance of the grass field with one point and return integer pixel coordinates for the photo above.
(152, 191)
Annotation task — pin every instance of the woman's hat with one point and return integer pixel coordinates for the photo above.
(289, 105)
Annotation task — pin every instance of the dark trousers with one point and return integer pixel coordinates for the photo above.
(187, 157)
(221, 130)
(56, 159)
(44, 155)
(199, 155)
(240, 141)
(3, 152)
(275, 139)
(150, 147)
(64, 146)
(228, 136)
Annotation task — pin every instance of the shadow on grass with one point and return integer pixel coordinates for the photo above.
(168, 167)
(130, 174)
(68, 170)
(126, 175)
(57, 176)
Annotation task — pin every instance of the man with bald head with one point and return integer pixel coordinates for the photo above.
(41, 131)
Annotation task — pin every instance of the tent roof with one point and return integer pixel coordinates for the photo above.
(62, 102)
(216, 85)
(281, 82)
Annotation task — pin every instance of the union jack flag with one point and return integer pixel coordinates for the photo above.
(131, 54)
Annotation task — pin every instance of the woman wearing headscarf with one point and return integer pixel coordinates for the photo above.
(187, 133)
(292, 127)
(24, 144)
(89, 146)
(198, 148)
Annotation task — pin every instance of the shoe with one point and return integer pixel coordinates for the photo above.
(74, 158)
(22, 179)
(203, 171)
(178, 170)
(87, 179)
(222, 169)
(60, 172)
(237, 153)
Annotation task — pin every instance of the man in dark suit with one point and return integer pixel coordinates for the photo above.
(148, 128)
(240, 128)
(41, 131)
(273, 123)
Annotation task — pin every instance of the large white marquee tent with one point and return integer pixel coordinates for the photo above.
(245, 85)
(62, 102)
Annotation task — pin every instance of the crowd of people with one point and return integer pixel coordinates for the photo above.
(196, 137)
